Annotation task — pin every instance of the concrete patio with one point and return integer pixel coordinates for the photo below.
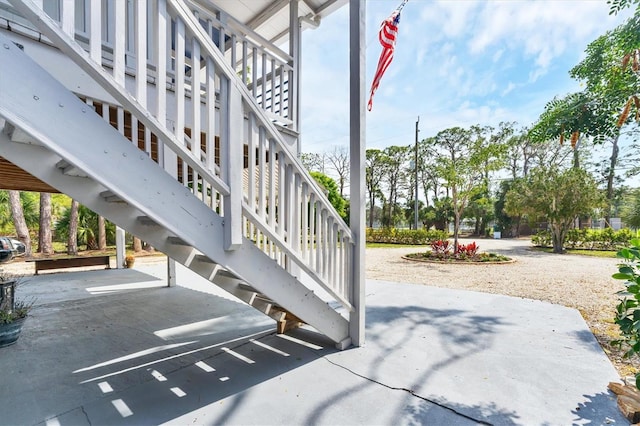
(117, 347)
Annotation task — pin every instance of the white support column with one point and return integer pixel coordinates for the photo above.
(357, 120)
(294, 50)
(171, 272)
(232, 141)
(120, 248)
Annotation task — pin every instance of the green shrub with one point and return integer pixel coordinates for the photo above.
(405, 236)
(589, 239)
(542, 239)
(628, 310)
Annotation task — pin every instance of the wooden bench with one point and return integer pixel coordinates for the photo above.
(70, 262)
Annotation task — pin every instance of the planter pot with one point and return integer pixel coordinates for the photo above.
(129, 263)
(9, 333)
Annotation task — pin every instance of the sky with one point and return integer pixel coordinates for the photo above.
(456, 63)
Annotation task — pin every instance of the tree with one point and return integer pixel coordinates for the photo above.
(373, 178)
(609, 86)
(559, 195)
(463, 159)
(19, 221)
(394, 160)
(87, 227)
(631, 210)
(339, 162)
(332, 193)
(72, 240)
(45, 245)
(313, 162)
(102, 234)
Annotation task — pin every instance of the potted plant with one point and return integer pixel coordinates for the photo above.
(13, 313)
(129, 260)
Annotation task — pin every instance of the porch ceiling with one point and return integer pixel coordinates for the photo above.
(270, 18)
(13, 177)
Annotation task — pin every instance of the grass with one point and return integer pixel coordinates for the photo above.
(583, 252)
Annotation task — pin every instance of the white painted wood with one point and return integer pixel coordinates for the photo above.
(272, 185)
(141, 51)
(295, 36)
(95, 31)
(305, 221)
(273, 85)
(234, 159)
(211, 116)
(263, 80)
(282, 194)
(179, 89)
(251, 161)
(171, 272)
(254, 72)
(196, 123)
(281, 110)
(262, 168)
(357, 147)
(250, 103)
(119, 47)
(67, 17)
(245, 75)
(137, 179)
(120, 247)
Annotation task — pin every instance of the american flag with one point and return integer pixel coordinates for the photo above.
(387, 36)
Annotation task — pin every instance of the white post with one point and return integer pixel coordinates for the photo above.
(232, 163)
(294, 50)
(357, 60)
(171, 272)
(120, 248)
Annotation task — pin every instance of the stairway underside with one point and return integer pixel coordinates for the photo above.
(60, 140)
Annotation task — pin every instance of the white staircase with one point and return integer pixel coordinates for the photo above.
(256, 225)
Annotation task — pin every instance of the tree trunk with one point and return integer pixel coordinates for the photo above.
(72, 241)
(615, 150)
(456, 229)
(18, 220)
(45, 245)
(137, 244)
(372, 206)
(558, 233)
(102, 234)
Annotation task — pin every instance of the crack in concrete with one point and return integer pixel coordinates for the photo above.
(411, 392)
(85, 414)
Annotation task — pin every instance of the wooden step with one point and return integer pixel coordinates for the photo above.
(111, 197)
(18, 135)
(147, 221)
(69, 169)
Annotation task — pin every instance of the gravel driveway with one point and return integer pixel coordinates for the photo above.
(580, 282)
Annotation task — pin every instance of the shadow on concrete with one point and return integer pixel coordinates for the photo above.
(405, 347)
(153, 355)
(590, 412)
(588, 340)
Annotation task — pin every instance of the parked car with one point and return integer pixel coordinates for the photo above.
(7, 252)
(18, 246)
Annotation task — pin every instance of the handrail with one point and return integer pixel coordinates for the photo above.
(283, 209)
(188, 17)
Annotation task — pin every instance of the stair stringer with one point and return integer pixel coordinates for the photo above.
(39, 105)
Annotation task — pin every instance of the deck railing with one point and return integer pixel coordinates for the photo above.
(182, 93)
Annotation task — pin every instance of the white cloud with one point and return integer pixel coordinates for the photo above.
(457, 63)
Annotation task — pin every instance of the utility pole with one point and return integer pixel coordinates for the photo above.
(415, 169)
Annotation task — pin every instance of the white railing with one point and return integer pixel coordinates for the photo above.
(265, 69)
(167, 99)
